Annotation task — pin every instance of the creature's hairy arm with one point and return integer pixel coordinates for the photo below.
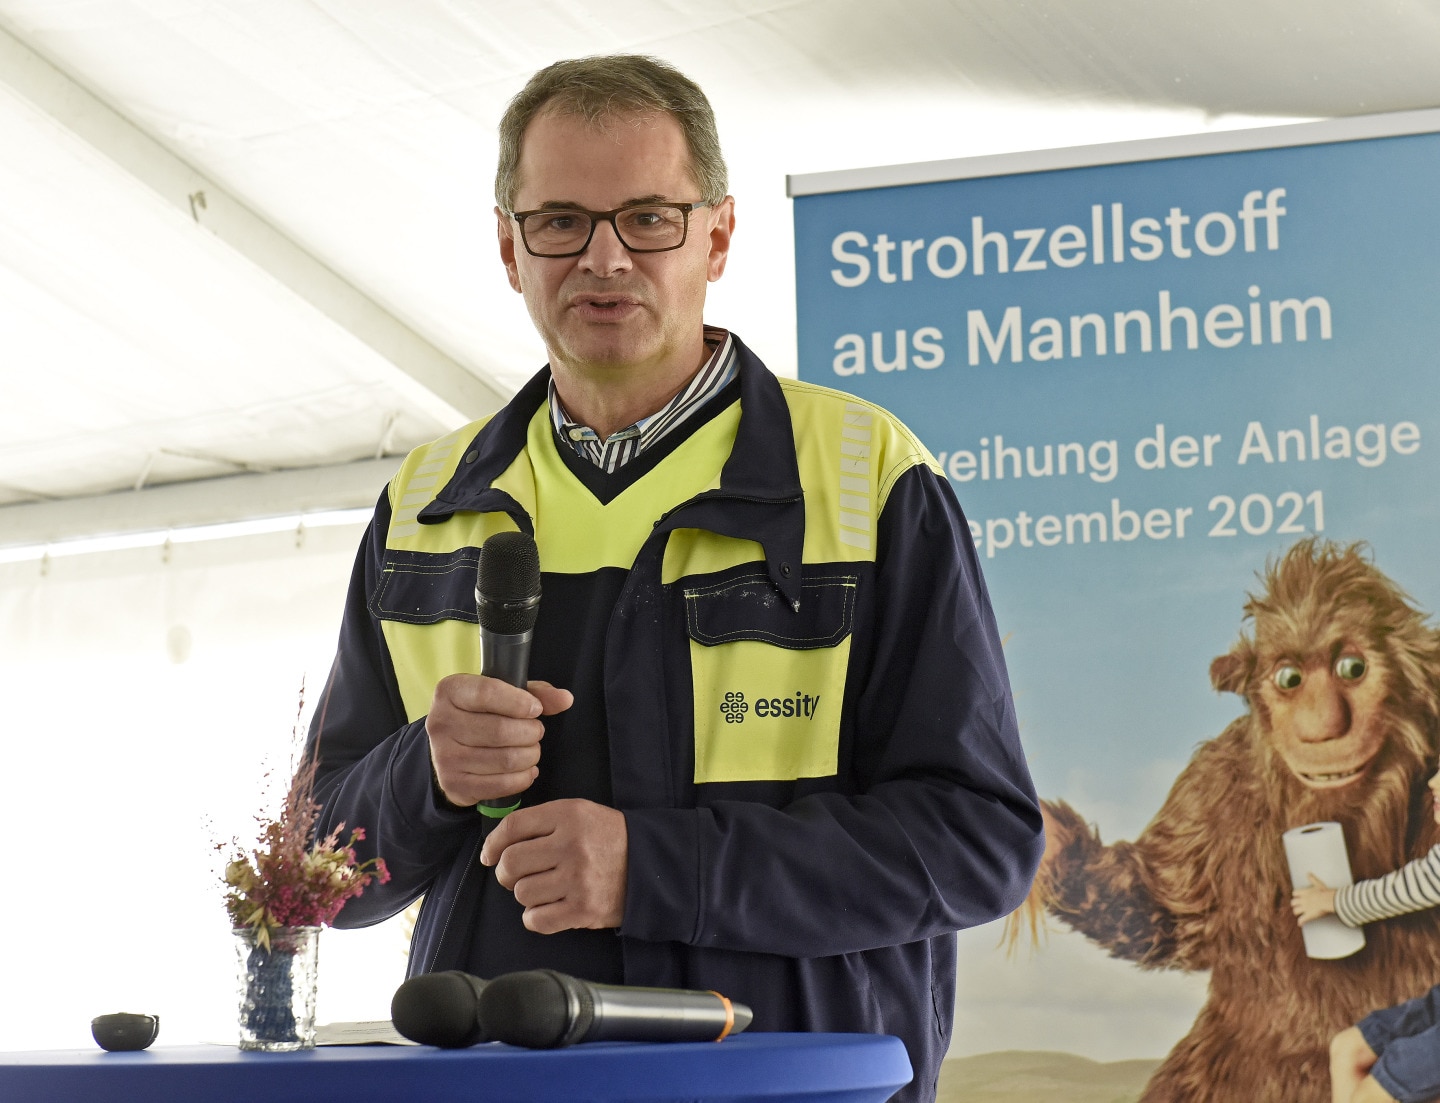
(1145, 901)
(1100, 890)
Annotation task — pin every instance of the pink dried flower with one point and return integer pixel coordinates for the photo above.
(286, 881)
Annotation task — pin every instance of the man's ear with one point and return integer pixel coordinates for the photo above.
(505, 230)
(721, 220)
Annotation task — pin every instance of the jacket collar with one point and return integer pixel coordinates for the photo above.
(763, 462)
(759, 497)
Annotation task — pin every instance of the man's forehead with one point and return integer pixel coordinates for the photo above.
(556, 142)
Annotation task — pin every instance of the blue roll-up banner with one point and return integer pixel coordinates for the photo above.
(1166, 379)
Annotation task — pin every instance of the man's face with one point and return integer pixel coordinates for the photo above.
(610, 311)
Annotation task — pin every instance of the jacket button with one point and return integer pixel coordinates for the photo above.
(785, 570)
(471, 457)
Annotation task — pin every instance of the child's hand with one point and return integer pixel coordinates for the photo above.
(1313, 902)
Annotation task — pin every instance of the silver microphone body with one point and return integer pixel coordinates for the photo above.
(545, 1009)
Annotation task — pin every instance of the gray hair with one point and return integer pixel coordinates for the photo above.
(596, 87)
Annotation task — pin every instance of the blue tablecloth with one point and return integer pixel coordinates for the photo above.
(748, 1068)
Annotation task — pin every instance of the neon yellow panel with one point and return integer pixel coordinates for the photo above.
(577, 534)
(420, 651)
(766, 713)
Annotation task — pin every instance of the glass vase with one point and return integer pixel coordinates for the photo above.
(277, 988)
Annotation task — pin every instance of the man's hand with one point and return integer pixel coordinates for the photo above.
(1313, 902)
(485, 735)
(565, 861)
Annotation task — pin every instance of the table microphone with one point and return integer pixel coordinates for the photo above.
(507, 599)
(440, 1009)
(543, 1009)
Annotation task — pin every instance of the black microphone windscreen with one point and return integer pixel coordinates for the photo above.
(439, 1009)
(508, 583)
(536, 1008)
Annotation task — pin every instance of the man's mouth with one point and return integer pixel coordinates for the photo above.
(600, 303)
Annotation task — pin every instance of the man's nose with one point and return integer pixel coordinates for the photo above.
(607, 255)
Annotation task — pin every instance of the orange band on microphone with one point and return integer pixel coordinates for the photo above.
(729, 1015)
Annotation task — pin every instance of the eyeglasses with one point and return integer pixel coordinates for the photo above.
(641, 228)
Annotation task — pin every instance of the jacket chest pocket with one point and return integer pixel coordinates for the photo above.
(425, 603)
(768, 680)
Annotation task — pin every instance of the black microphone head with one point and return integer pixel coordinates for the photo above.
(507, 588)
(439, 1009)
(538, 1008)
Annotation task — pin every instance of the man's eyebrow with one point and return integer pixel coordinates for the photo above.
(639, 200)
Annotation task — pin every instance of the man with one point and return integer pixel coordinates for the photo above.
(774, 748)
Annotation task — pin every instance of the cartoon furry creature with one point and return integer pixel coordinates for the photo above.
(1340, 673)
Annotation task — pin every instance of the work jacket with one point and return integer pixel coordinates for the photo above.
(809, 725)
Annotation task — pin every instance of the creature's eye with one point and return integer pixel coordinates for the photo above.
(1350, 667)
(1288, 677)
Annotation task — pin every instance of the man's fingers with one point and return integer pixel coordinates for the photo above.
(486, 754)
(472, 763)
(533, 864)
(490, 787)
(552, 699)
(551, 902)
(518, 826)
(538, 889)
(482, 730)
(476, 693)
(565, 861)
(467, 790)
(549, 918)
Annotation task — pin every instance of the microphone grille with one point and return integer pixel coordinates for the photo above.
(536, 1008)
(439, 1009)
(507, 588)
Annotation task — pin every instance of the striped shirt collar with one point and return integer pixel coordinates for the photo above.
(623, 446)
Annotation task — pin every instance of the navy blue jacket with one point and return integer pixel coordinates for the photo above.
(824, 900)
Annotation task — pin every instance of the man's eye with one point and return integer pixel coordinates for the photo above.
(561, 223)
(1288, 677)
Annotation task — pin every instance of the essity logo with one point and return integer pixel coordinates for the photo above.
(801, 705)
(734, 708)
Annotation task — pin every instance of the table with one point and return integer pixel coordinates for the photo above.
(746, 1068)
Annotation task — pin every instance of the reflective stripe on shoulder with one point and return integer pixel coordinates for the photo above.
(851, 453)
(421, 477)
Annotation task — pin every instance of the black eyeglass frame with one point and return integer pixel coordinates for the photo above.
(597, 217)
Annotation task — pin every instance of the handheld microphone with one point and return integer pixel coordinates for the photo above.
(440, 1009)
(507, 599)
(543, 1009)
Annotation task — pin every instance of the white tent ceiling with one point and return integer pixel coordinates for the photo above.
(245, 238)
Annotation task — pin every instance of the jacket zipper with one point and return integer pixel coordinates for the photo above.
(454, 898)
